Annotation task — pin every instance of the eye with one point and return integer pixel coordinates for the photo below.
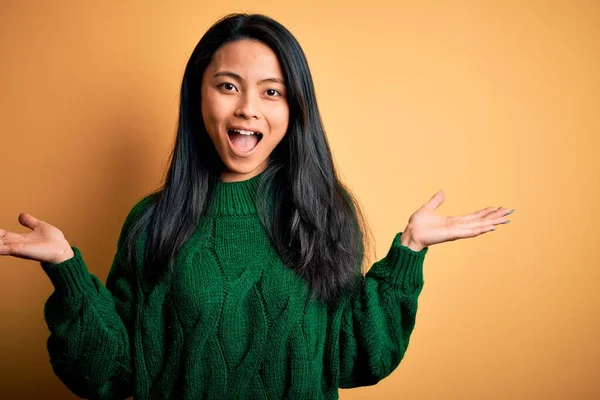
(229, 87)
(273, 93)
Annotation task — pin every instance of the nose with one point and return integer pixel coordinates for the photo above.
(247, 107)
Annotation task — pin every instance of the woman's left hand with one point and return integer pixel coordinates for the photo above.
(426, 228)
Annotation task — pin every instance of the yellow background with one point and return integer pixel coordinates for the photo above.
(496, 103)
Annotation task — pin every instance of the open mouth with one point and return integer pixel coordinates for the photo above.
(242, 140)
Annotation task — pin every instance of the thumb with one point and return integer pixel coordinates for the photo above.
(435, 201)
(28, 220)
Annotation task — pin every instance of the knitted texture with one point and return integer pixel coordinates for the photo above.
(231, 321)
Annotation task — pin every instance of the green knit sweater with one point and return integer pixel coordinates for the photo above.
(237, 324)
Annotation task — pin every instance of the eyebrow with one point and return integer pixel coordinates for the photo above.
(239, 78)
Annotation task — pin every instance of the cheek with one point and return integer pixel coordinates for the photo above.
(280, 120)
(211, 114)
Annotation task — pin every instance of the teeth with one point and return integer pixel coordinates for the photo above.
(243, 132)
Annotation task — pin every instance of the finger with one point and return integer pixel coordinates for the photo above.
(4, 250)
(476, 215)
(463, 233)
(28, 220)
(435, 201)
(11, 237)
(482, 222)
(16, 250)
(7, 249)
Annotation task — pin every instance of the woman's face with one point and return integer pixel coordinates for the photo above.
(244, 106)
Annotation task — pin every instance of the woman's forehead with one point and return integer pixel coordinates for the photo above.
(248, 57)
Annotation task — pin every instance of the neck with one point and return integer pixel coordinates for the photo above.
(235, 197)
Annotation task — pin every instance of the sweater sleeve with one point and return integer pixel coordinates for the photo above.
(377, 323)
(90, 325)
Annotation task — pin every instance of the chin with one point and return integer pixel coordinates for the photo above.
(236, 172)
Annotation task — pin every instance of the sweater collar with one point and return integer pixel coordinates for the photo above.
(235, 198)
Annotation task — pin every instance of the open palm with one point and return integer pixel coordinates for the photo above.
(427, 228)
(43, 243)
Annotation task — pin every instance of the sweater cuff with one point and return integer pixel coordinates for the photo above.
(70, 277)
(402, 267)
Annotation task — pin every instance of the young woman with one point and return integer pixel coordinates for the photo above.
(241, 277)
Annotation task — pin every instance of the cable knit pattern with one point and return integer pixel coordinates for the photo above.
(231, 322)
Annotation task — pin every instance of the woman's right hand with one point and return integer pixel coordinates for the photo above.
(45, 243)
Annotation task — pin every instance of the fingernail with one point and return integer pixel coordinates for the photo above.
(506, 222)
(510, 212)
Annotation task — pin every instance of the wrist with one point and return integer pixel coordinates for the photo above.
(407, 241)
(66, 254)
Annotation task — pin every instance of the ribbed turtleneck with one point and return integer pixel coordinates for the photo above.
(235, 198)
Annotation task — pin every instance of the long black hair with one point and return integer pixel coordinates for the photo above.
(315, 225)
